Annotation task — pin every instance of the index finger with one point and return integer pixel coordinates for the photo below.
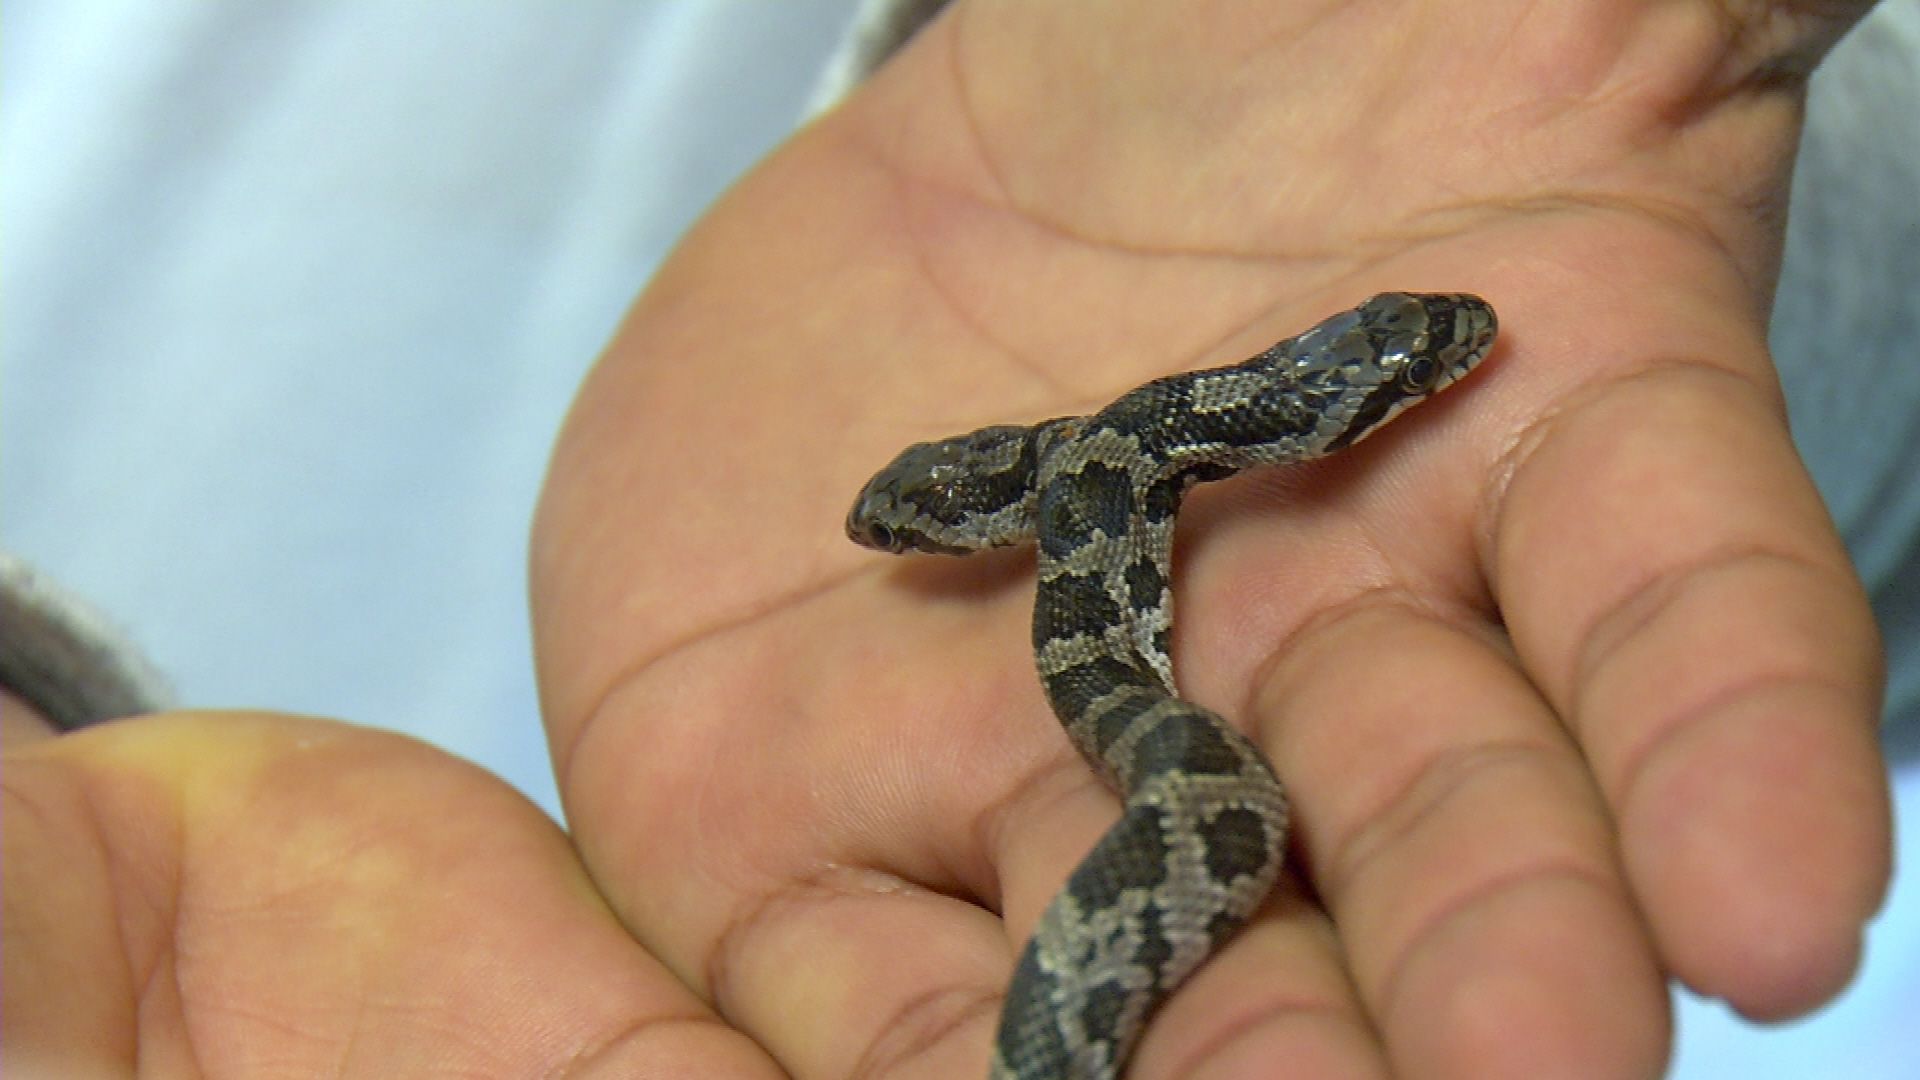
(1672, 581)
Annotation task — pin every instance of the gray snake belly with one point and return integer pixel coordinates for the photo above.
(1201, 835)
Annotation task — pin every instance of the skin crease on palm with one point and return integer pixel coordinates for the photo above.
(1567, 674)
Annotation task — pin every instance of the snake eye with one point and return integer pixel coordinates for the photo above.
(1419, 373)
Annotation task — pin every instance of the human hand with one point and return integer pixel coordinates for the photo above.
(1566, 672)
(229, 895)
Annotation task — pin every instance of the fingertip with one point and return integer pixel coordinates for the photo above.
(1773, 928)
(1537, 979)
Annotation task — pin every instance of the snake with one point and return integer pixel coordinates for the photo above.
(1203, 826)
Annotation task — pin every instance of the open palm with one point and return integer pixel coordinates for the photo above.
(1567, 674)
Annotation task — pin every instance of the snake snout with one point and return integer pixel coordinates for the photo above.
(1474, 324)
(1462, 329)
(866, 527)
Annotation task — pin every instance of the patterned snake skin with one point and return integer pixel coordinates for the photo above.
(1199, 843)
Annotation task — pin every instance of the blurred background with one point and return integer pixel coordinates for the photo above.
(296, 295)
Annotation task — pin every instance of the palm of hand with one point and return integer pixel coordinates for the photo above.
(1566, 673)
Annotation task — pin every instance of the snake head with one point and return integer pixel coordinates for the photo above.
(1362, 367)
(950, 497)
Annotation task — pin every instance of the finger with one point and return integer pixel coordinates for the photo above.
(1671, 578)
(1461, 850)
(241, 895)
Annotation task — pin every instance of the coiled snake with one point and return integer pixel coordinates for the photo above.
(1200, 840)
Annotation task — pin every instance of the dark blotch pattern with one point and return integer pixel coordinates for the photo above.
(1154, 950)
(1030, 1041)
(1235, 839)
(1223, 925)
(1106, 1005)
(1099, 498)
(1145, 584)
(1191, 742)
(1067, 603)
(1112, 721)
(1162, 500)
(1081, 685)
(1163, 641)
(1151, 412)
(1132, 855)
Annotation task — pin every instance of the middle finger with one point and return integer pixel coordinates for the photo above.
(1454, 833)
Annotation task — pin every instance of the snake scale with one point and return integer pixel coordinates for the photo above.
(1200, 839)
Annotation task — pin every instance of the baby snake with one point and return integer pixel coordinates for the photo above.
(1200, 839)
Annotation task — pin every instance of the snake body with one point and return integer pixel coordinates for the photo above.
(1199, 843)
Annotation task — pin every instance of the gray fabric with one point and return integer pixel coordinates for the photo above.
(1846, 319)
(878, 29)
(65, 659)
